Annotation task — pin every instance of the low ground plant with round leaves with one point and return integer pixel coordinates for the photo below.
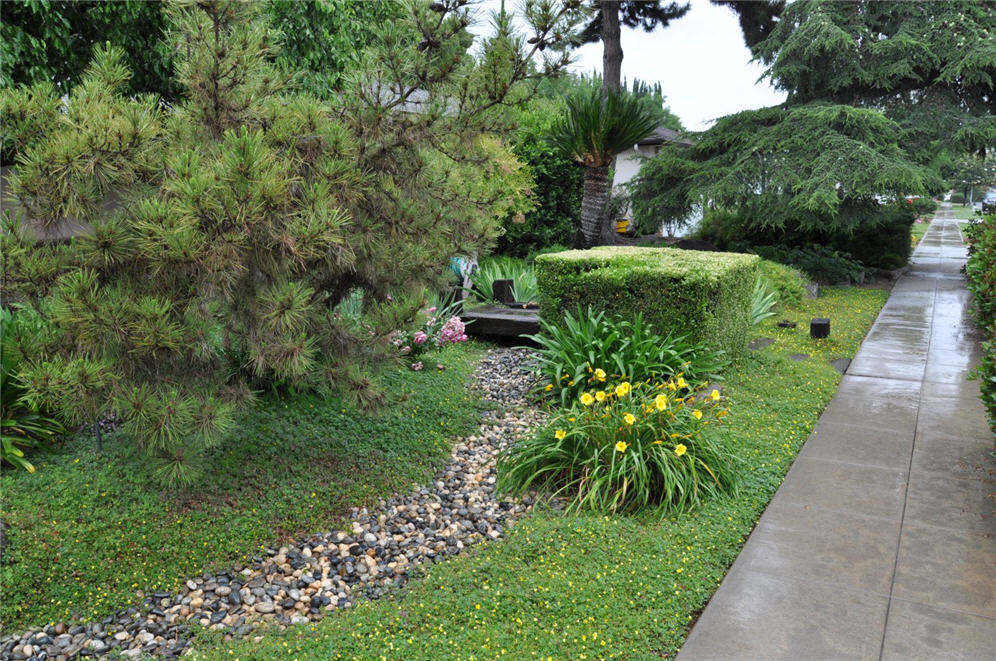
(626, 447)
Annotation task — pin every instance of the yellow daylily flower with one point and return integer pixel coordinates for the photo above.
(682, 383)
(587, 399)
(600, 396)
(629, 418)
(715, 395)
(680, 449)
(560, 434)
(660, 401)
(549, 387)
(658, 442)
(600, 374)
(623, 389)
(621, 446)
(698, 414)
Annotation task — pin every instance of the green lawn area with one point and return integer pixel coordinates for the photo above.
(594, 586)
(964, 212)
(89, 530)
(919, 229)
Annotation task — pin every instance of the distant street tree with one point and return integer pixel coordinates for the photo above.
(970, 174)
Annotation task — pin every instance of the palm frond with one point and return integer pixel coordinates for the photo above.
(598, 126)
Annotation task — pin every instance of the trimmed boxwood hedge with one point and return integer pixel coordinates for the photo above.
(705, 296)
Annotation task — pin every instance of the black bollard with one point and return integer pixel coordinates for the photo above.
(819, 328)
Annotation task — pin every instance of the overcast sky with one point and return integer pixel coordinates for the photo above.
(700, 60)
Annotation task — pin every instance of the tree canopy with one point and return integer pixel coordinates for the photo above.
(929, 65)
(878, 93)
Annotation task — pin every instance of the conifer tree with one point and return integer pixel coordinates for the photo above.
(247, 212)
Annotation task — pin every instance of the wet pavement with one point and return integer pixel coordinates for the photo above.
(881, 542)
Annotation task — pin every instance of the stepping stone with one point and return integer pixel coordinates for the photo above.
(799, 356)
(841, 364)
(760, 343)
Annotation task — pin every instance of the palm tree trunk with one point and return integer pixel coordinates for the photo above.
(596, 195)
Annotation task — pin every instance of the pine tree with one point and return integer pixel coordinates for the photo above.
(248, 212)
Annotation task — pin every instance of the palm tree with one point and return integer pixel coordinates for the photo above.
(596, 127)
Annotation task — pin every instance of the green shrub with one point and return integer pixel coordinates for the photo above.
(924, 206)
(820, 263)
(252, 212)
(957, 198)
(876, 235)
(556, 186)
(702, 296)
(981, 272)
(625, 448)
(788, 282)
(591, 348)
(880, 237)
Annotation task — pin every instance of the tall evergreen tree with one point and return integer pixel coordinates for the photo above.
(249, 211)
(608, 17)
(930, 66)
(879, 93)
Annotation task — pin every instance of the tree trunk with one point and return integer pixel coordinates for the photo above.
(612, 54)
(596, 194)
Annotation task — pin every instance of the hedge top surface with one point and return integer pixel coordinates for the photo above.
(674, 262)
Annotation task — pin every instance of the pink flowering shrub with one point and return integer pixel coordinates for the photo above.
(441, 327)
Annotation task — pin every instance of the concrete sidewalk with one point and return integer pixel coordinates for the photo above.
(881, 542)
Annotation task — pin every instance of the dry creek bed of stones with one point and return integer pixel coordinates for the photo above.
(302, 582)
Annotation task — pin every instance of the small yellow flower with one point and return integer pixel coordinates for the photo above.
(658, 442)
(600, 374)
(622, 389)
(715, 395)
(671, 386)
(621, 446)
(587, 399)
(629, 418)
(682, 383)
(698, 414)
(549, 387)
(680, 449)
(560, 434)
(572, 419)
(600, 396)
(660, 401)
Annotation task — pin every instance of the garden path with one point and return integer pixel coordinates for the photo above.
(881, 542)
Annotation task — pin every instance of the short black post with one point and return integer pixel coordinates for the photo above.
(502, 290)
(819, 328)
